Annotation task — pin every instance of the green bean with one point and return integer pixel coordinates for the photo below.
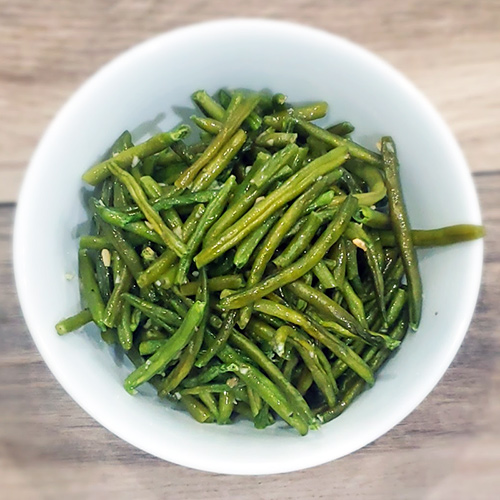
(182, 151)
(274, 164)
(124, 249)
(269, 139)
(300, 242)
(122, 220)
(207, 124)
(155, 271)
(150, 187)
(148, 255)
(436, 237)
(192, 221)
(325, 277)
(197, 409)
(342, 128)
(363, 240)
(257, 180)
(124, 331)
(246, 248)
(291, 188)
(309, 112)
(339, 256)
(355, 304)
(305, 380)
(99, 172)
(106, 195)
(219, 342)
(336, 141)
(268, 391)
(123, 142)
(332, 343)
(253, 120)
(331, 234)
(90, 289)
(216, 284)
(323, 378)
(300, 158)
(395, 307)
(226, 407)
(254, 353)
(402, 230)
(120, 200)
(279, 231)
(123, 283)
(148, 347)
(212, 212)
(190, 353)
(372, 218)
(94, 243)
(168, 351)
(254, 401)
(374, 180)
(343, 322)
(211, 388)
(166, 234)
(239, 109)
(208, 174)
(377, 359)
(103, 273)
(208, 105)
(206, 376)
(160, 315)
(73, 323)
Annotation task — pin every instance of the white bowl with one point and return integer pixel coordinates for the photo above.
(148, 88)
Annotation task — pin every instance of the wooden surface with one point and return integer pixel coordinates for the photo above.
(448, 448)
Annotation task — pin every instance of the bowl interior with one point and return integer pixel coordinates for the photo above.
(148, 89)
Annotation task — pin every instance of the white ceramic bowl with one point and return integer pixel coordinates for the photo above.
(148, 88)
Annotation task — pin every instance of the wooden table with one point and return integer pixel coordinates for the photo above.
(448, 448)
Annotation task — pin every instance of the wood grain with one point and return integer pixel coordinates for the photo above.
(448, 448)
(450, 50)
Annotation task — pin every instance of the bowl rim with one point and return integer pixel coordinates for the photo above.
(22, 212)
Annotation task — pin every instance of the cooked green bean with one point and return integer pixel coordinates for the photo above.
(207, 124)
(166, 234)
(402, 230)
(167, 352)
(372, 218)
(190, 353)
(336, 346)
(253, 120)
(74, 322)
(123, 283)
(90, 289)
(331, 234)
(437, 237)
(124, 330)
(305, 276)
(246, 248)
(342, 128)
(99, 172)
(236, 113)
(220, 161)
(216, 284)
(293, 187)
(212, 212)
(262, 171)
(158, 314)
(336, 141)
(310, 112)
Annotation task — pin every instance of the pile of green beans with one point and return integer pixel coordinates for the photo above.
(265, 268)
